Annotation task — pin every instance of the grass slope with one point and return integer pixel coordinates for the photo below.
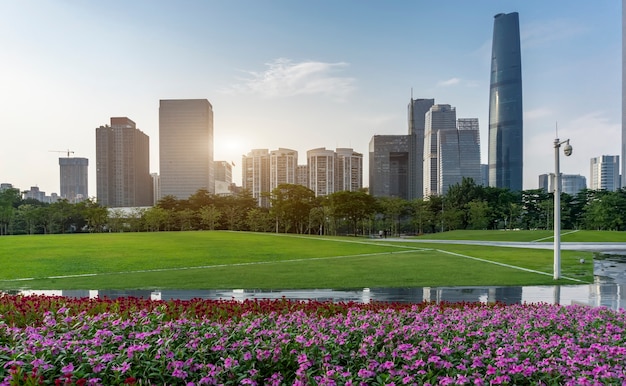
(224, 260)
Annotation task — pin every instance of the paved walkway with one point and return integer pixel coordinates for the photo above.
(570, 246)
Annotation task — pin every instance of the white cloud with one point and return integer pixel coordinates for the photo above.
(449, 82)
(284, 78)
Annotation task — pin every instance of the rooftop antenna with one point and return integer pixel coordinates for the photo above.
(68, 151)
(557, 128)
(411, 93)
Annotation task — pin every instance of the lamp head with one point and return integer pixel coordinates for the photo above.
(567, 149)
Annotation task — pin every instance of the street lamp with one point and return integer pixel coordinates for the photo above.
(567, 150)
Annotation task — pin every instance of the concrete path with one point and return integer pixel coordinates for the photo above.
(570, 246)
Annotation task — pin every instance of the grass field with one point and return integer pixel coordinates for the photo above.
(226, 260)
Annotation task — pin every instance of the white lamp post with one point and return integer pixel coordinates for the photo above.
(567, 150)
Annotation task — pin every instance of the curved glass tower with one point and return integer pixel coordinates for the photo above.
(505, 105)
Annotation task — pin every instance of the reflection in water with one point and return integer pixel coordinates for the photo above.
(597, 294)
(609, 290)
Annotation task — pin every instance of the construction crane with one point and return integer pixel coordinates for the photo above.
(63, 151)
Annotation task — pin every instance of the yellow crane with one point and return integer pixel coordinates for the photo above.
(63, 151)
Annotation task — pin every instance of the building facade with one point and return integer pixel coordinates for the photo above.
(458, 154)
(438, 118)
(417, 125)
(570, 183)
(283, 167)
(322, 168)
(604, 173)
(256, 175)
(505, 105)
(389, 165)
(123, 165)
(349, 173)
(74, 178)
(156, 187)
(186, 147)
(302, 175)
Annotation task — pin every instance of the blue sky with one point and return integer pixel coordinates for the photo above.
(297, 74)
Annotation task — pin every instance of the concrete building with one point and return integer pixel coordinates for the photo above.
(35, 194)
(570, 183)
(417, 110)
(283, 167)
(186, 147)
(256, 175)
(223, 171)
(123, 165)
(604, 173)
(458, 154)
(389, 165)
(322, 168)
(223, 177)
(484, 175)
(74, 178)
(505, 105)
(439, 117)
(156, 187)
(302, 175)
(349, 170)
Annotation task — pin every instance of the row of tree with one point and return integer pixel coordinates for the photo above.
(295, 209)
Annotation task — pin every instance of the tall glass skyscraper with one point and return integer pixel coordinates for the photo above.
(505, 105)
(417, 123)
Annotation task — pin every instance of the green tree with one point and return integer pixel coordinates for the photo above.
(291, 205)
(210, 216)
(10, 200)
(392, 208)
(155, 218)
(354, 206)
(478, 214)
(259, 220)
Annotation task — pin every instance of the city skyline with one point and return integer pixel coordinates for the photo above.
(298, 76)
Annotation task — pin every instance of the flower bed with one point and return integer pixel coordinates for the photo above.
(133, 341)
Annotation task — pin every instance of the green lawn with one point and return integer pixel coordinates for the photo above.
(225, 260)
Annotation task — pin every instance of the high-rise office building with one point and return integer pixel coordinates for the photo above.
(223, 177)
(349, 170)
(256, 175)
(604, 173)
(186, 147)
(438, 117)
(570, 183)
(156, 188)
(123, 165)
(74, 178)
(283, 166)
(223, 171)
(484, 175)
(389, 165)
(321, 163)
(505, 105)
(417, 124)
(458, 154)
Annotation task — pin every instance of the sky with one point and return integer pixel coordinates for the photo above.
(297, 75)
